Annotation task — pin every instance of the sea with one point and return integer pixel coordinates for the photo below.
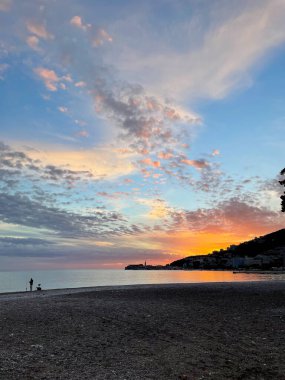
(61, 279)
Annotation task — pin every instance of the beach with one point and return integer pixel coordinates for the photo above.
(178, 331)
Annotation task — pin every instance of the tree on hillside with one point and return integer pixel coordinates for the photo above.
(282, 196)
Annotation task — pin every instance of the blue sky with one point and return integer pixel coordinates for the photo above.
(133, 131)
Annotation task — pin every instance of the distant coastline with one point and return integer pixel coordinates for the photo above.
(168, 267)
(265, 253)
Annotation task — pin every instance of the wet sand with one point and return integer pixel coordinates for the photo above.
(195, 331)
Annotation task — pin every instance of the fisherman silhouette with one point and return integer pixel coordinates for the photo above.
(31, 284)
(282, 182)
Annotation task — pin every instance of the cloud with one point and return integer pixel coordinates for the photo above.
(103, 243)
(198, 164)
(215, 152)
(205, 57)
(165, 155)
(80, 84)
(158, 208)
(49, 77)
(230, 216)
(12, 241)
(101, 37)
(102, 162)
(78, 23)
(86, 257)
(33, 42)
(39, 30)
(63, 109)
(149, 162)
(21, 210)
(17, 166)
(98, 36)
(142, 120)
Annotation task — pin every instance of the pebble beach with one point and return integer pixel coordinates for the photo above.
(179, 331)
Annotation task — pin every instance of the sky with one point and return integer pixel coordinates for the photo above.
(133, 131)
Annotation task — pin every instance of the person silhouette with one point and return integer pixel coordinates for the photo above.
(31, 284)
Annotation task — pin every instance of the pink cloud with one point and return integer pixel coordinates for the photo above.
(215, 152)
(105, 35)
(232, 216)
(101, 37)
(198, 164)
(33, 42)
(80, 84)
(78, 23)
(49, 77)
(38, 30)
(171, 114)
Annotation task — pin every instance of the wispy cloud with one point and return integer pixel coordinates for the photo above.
(205, 57)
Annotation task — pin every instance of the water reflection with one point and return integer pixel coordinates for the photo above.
(59, 279)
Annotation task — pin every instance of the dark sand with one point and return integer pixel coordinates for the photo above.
(195, 331)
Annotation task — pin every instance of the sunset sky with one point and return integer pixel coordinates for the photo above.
(138, 130)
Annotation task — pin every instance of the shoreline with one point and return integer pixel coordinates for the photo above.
(26, 294)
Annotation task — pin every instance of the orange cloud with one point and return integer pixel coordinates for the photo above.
(158, 208)
(148, 161)
(101, 162)
(164, 155)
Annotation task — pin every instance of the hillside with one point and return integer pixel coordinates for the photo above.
(265, 251)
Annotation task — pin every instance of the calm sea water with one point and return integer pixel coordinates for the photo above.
(59, 279)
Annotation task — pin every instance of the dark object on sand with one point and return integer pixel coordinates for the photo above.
(282, 196)
(39, 287)
(31, 284)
